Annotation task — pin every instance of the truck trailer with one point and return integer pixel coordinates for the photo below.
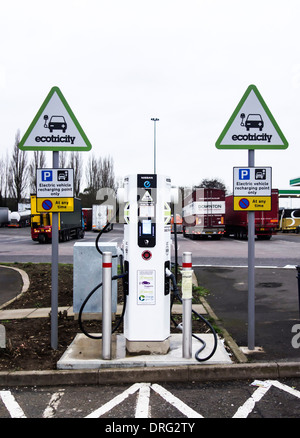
(203, 213)
(102, 214)
(266, 222)
(70, 224)
(19, 219)
(87, 218)
(289, 220)
(5, 214)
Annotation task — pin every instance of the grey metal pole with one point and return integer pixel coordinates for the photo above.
(54, 270)
(251, 269)
(187, 305)
(155, 120)
(106, 305)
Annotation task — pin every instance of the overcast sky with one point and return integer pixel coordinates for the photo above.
(121, 62)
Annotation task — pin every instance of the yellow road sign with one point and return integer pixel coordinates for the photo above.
(54, 205)
(252, 203)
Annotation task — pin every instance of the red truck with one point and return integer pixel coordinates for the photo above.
(203, 213)
(70, 224)
(266, 222)
(87, 218)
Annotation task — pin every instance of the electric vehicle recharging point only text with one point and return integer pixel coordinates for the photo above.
(147, 248)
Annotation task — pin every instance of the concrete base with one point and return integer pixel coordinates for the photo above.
(86, 353)
(147, 347)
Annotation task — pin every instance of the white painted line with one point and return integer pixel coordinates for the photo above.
(174, 401)
(142, 406)
(51, 409)
(115, 401)
(12, 406)
(285, 388)
(247, 408)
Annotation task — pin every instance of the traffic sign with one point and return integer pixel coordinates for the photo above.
(55, 183)
(55, 127)
(54, 205)
(252, 181)
(252, 126)
(252, 203)
(252, 188)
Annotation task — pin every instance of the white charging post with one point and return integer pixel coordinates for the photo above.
(147, 248)
(187, 295)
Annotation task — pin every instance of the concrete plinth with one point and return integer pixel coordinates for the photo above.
(147, 347)
(85, 353)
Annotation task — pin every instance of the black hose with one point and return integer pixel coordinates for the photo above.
(176, 295)
(115, 277)
(102, 231)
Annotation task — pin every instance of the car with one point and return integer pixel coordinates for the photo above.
(57, 122)
(254, 121)
(62, 175)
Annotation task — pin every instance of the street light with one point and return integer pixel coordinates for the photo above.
(155, 120)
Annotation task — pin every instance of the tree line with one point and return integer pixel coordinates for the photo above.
(18, 174)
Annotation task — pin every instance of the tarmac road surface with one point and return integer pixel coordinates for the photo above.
(172, 407)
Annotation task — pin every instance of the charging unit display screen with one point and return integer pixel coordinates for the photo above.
(146, 226)
(146, 198)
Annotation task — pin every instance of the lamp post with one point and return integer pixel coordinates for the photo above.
(155, 120)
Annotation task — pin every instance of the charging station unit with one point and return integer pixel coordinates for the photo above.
(147, 254)
(146, 273)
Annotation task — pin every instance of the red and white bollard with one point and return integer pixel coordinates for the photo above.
(187, 295)
(106, 304)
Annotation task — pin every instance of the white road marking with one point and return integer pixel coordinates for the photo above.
(12, 406)
(176, 402)
(248, 406)
(142, 406)
(51, 409)
(114, 402)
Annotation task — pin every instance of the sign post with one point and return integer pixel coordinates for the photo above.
(54, 128)
(251, 126)
(54, 272)
(251, 268)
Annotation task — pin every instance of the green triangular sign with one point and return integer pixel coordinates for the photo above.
(252, 126)
(55, 127)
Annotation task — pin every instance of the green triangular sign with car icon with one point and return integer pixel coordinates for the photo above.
(252, 126)
(55, 127)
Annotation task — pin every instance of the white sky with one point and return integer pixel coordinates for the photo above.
(119, 63)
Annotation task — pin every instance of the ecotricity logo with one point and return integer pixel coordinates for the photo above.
(252, 122)
(56, 123)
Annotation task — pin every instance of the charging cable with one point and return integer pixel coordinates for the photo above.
(200, 317)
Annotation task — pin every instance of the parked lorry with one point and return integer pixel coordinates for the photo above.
(5, 214)
(102, 214)
(266, 222)
(70, 224)
(19, 219)
(87, 218)
(203, 213)
(178, 223)
(289, 220)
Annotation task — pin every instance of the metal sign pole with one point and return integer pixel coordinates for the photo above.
(54, 273)
(251, 268)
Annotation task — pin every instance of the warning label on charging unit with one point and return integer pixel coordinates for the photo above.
(146, 287)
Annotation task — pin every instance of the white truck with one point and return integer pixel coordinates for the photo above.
(5, 215)
(101, 215)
